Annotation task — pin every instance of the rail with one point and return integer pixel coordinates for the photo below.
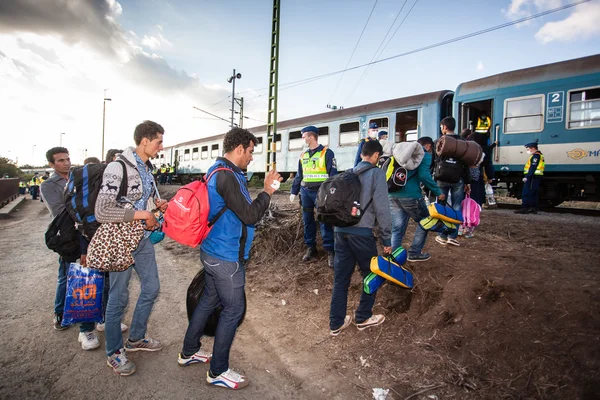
(9, 190)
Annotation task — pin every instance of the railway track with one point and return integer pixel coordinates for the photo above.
(555, 210)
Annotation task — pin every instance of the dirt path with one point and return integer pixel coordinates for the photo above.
(38, 362)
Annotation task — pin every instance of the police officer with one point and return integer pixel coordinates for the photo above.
(372, 134)
(483, 124)
(315, 166)
(171, 172)
(163, 174)
(534, 171)
(35, 186)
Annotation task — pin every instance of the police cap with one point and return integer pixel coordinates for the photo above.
(381, 133)
(373, 125)
(532, 144)
(310, 128)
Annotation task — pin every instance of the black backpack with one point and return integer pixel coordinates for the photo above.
(62, 237)
(448, 170)
(338, 199)
(82, 191)
(396, 175)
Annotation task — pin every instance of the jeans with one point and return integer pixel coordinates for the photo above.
(224, 285)
(531, 192)
(350, 250)
(147, 270)
(402, 210)
(309, 202)
(457, 195)
(34, 192)
(61, 294)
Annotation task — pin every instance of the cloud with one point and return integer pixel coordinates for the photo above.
(154, 42)
(480, 66)
(581, 24)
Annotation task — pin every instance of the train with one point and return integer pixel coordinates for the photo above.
(556, 105)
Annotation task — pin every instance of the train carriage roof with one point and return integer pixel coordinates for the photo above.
(563, 69)
(345, 113)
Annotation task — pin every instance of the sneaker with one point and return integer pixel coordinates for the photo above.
(200, 356)
(100, 327)
(469, 236)
(88, 340)
(58, 323)
(228, 379)
(330, 258)
(311, 253)
(453, 242)
(335, 332)
(373, 321)
(120, 364)
(441, 240)
(419, 257)
(145, 344)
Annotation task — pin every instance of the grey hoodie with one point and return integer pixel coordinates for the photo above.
(374, 186)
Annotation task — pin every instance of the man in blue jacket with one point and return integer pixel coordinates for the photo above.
(373, 134)
(534, 172)
(224, 254)
(408, 202)
(356, 244)
(315, 166)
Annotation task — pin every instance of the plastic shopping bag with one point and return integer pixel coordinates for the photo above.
(85, 287)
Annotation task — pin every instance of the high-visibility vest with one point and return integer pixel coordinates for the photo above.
(163, 170)
(172, 170)
(35, 181)
(540, 168)
(22, 184)
(314, 169)
(483, 126)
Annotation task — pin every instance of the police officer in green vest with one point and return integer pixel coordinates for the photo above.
(170, 173)
(315, 166)
(534, 171)
(22, 187)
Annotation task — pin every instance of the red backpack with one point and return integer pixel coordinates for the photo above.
(186, 219)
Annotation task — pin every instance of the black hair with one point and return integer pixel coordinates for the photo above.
(91, 160)
(449, 122)
(238, 136)
(465, 133)
(110, 155)
(55, 150)
(147, 129)
(425, 140)
(478, 138)
(371, 147)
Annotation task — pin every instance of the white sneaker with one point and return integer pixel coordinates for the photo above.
(88, 340)
(373, 321)
(228, 379)
(100, 327)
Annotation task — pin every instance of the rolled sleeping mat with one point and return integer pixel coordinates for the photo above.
(436, 225)
(400, 255)
(372, 282)
(445, 213)
(467, 151)
(387, 268)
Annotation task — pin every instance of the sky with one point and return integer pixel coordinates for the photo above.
(157, 59)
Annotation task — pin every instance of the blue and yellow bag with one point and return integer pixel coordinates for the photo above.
(372, 282)
(387, 268)
(400, 255)
(436, 225)
(445, 213)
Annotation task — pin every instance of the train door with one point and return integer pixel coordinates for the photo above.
(471, 112)
(407, 126)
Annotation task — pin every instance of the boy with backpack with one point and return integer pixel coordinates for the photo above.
(408, 202)
(356, 244)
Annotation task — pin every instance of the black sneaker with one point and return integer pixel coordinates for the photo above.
(58, 323)
(419, 257)
(311, 253)
(330, 258)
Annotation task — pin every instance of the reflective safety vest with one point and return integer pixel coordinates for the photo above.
(35, 181)
(540, 168)
(22, 184)
(163, 170)
(172, 170)
(314, 169)
(483, 125)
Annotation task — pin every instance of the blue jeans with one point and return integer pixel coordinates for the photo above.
(531, 193)
(309, 202)
(61, 294)
(224, 285)
(147, 270)
(350, 250)
(457, 195)
(402, 211)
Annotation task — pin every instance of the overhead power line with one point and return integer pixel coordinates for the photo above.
(432, 46)
(354, 50)
(216, 116)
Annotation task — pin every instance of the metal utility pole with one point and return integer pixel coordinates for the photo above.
(232, 79)
(241, 103)
(61, 136)
(273, 89)
(103, 120)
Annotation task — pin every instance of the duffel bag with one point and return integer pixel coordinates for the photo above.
(445, 213)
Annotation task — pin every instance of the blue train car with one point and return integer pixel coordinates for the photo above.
(557, 105)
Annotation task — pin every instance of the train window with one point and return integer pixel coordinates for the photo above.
(204, 152)
(324, 135)
(524, 114)
(277, 142)
(349, 133)
(295, 142)
(259, 145)
(186, 155)
(382, 123)
(214, 151)
(195, 153)
(407, 126)
(584, 108)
